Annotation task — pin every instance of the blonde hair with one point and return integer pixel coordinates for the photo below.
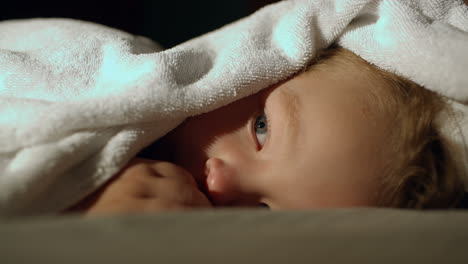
(420, 173)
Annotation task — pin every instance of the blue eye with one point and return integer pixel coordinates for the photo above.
(261, 129)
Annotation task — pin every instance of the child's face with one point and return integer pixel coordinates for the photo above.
(306, 143)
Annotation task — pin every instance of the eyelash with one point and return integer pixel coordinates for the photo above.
(254, 135)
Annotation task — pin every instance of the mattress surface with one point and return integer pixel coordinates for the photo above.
(241, 236)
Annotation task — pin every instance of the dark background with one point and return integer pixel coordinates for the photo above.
(167, 22)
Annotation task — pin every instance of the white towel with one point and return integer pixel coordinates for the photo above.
(78, 100)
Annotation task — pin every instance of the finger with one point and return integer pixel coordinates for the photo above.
(181, 185)
(199, 200)
(139, 167)
(170, 170)
(179, 190)
(164, 181)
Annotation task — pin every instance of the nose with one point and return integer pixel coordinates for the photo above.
(225, 185)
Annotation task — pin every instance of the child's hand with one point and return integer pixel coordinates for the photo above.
(145, 186)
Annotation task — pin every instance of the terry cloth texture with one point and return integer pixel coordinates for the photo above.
(78, 100)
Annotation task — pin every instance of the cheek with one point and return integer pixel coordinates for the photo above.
(216, 123)
(201, 137)
(228, 145)
(222, 127)
(319, 191)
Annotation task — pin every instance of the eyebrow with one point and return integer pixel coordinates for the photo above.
(291, 102)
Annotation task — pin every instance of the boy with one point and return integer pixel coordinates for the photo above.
(343, 133)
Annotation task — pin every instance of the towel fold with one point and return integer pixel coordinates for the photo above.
(78, 100)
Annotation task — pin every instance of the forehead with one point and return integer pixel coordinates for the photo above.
(343, 85)
(317, 107)
(286, 104)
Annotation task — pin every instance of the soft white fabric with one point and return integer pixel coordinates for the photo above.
(78, 100)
